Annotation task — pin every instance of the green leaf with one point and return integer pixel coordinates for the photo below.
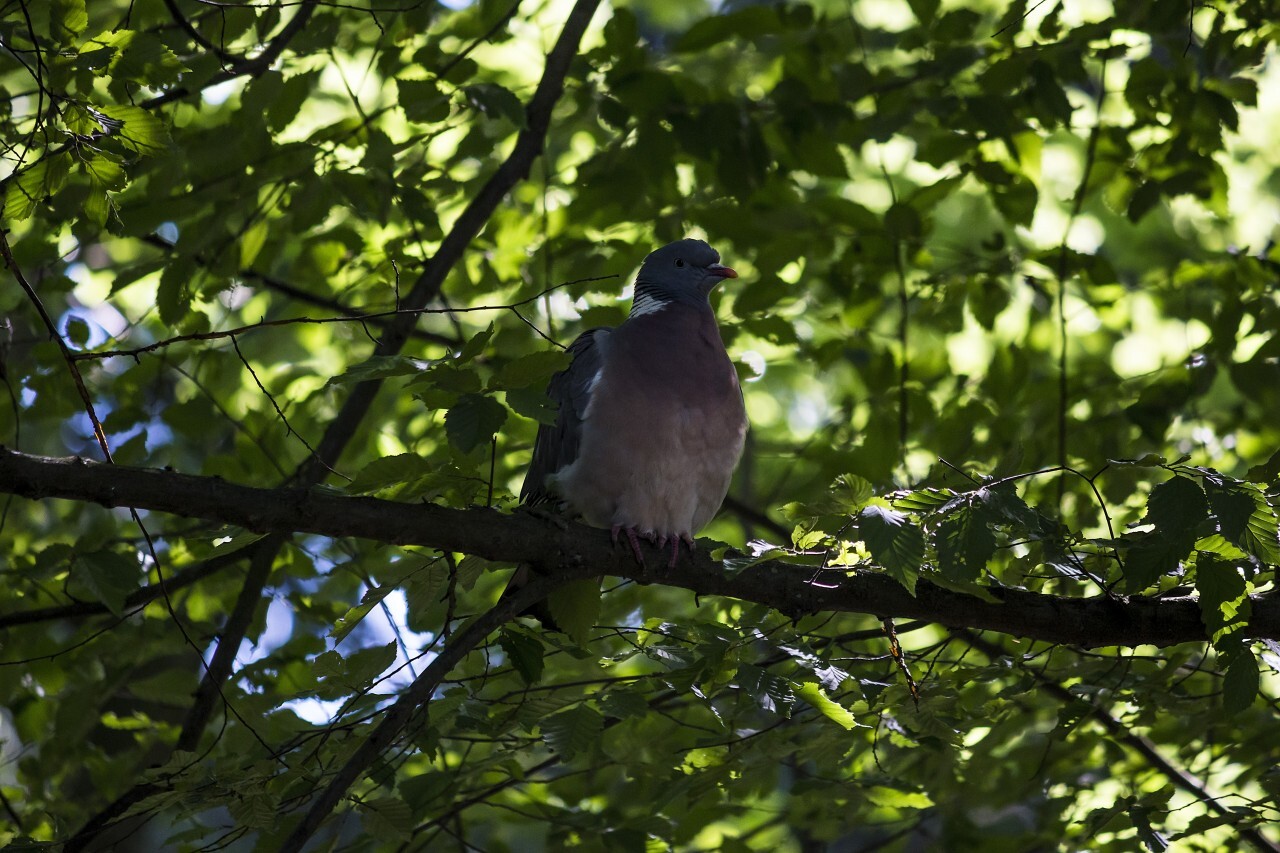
(67, 19)
(110, 576)
(474, 346)
(77, 331)
(576, 607)
(851, 492)
(807, 535)
(473, 421)
(222, 541)
(532, 403)
(1240, 684)
(39, 181)
(772, 692)
(252, 241)
(380, 367)
(1177, 505)
(421, 790)
(535, 368)
(136, 129)
(494, 101)
(389, 471)
(622, 703)
(173, 297)
(922, 500)
(811, 692)
(525, 653)
(349, 620)
(573, 731)
(903, 222)
(1149, 556)
(422, 101)
(1224, 601)
(740, 562)
(1147, 460)
(964, 543)
(470, 569)
(389, 819)
(140, 58)
(894, 798)
(1218, 545)
(1245, 518)
(1266, 471)
(894, 542)
(365, 665)
(748, 22)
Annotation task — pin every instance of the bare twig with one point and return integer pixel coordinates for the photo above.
(134, 352)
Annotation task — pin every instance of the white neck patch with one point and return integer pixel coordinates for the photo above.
(647, 303)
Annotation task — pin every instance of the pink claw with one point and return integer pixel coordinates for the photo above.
(632, 537)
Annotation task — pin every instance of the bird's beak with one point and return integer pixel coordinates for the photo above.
(722, 271)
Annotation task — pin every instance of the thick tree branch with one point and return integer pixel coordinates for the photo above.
(575, 551)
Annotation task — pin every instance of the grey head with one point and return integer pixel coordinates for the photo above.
(683, 271)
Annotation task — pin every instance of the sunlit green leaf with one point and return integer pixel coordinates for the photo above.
(68, 19)
(136, 129)
(838, 714)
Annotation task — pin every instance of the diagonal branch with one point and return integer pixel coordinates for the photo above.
(246, 67)
(529, 144)
(1140, 744)
(410, 703)
(139, 598)
(575, 551)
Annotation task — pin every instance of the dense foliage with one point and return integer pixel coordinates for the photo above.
(1001, 553)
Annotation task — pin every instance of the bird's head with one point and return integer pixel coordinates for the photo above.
(683, 271)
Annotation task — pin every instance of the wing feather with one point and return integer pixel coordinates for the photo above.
(557, 444)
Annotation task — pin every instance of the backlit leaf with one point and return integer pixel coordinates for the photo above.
(894, 542)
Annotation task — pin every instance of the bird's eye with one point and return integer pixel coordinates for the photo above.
(679, 262)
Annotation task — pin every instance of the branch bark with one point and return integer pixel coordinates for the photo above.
(574, 551)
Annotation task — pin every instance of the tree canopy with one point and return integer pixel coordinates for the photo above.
(287, 281)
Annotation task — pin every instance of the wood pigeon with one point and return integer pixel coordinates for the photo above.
(651, 421)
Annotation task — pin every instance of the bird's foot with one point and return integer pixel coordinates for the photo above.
(632, 537)
(675, 547)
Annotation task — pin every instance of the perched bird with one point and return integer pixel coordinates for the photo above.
(651, 422)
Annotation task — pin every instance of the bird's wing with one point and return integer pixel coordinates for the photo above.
(557, 444)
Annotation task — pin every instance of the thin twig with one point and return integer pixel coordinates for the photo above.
(291, 321)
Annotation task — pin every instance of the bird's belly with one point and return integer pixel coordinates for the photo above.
(663, 468)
